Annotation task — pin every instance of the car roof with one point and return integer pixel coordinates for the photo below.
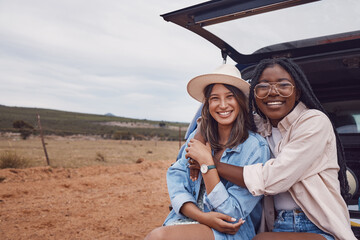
(203, 18)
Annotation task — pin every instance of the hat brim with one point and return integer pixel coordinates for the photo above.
(197, 85)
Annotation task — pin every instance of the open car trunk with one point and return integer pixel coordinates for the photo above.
(323, 37)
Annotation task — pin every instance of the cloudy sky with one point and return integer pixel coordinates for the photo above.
(104, 56)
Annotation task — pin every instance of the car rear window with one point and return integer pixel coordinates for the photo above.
(310, 20)
(345, 115)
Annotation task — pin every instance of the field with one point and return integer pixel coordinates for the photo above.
(62, 123)
(81, 196)
(80, 151)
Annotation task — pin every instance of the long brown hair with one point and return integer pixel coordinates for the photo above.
(209, 126)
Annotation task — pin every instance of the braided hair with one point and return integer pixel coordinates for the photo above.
(308, 97)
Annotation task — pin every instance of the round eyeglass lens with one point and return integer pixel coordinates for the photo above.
(262, 90)
(285, 89)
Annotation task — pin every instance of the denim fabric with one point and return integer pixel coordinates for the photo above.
(226, 197)
(296, 221)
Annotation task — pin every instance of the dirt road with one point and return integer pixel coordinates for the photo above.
(117, 202)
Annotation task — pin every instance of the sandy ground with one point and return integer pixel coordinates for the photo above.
(117, 202)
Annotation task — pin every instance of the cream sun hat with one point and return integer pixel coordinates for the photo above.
(225, 74)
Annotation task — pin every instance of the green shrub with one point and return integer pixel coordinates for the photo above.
(24, 128)
(9, 159)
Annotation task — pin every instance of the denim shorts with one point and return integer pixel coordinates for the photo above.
(296, 221)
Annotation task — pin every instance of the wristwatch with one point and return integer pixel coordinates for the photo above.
(205, 168)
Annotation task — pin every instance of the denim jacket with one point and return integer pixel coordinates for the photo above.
(226, 197)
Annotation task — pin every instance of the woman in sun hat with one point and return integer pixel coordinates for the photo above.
(211, 207)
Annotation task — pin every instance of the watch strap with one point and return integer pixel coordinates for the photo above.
(211, 167)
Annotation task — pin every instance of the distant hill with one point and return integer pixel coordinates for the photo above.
(110, 115)
(69, 123)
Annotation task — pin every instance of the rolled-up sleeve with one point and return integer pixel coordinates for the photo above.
(217, 196)
(253, 178)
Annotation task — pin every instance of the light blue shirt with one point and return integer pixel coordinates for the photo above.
(226, 197)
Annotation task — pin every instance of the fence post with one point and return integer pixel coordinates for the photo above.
(42, 140)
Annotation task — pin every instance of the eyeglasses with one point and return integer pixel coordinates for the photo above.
(284, 89)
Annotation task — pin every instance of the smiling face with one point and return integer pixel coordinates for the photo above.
(274, 106)
(223, 106)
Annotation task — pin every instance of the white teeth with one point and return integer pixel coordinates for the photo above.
(274, 103)
(224, 113)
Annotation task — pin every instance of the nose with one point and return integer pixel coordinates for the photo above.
(273, 91)
(223, 103)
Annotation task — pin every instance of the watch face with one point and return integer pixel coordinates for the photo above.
(203, 168)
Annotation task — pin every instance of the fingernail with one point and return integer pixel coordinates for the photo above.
(233, 219)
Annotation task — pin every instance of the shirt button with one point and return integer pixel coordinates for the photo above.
(194, 193)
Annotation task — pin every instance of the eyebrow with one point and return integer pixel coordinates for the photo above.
(212, 94)
(278, 80)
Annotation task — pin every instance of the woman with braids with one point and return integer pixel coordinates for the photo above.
(304, 182)
(211, 207)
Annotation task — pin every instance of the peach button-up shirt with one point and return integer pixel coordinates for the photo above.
(306, 166)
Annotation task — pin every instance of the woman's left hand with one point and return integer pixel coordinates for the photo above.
(221, 222)
(199, 152)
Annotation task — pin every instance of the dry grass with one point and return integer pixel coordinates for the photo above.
(81, 151)
(10, 159)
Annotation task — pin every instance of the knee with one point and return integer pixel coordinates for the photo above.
(156, 234)
(262, 236)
